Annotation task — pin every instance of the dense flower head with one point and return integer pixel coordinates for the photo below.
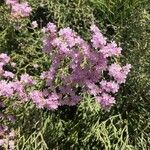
(98, 40)
(85, 64)
(111, 49)
(69, 36)
(6, 88)
(50, 31)
(4, 58)
(19, 90)
(105, 100)
(50, 28)
(8, 74)
(37, 98)
(51, 102)
(21, 10)
(110, 86)
(119, 73)
(27, 79)
(93, 89)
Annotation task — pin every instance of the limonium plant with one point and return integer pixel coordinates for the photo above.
(77, 67)
(12, 92)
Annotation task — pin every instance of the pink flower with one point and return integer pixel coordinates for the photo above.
(6, 89)
(26, 79)
(37, 98)
(93, 89)
(50, 28)
(127, 68)
(13, 64)
(111, 49)
(4, 58)
(21, 10)
(19, 90)
(105, 100)
(8, 74)
(119, 73)
(85, 65)
(11, 2)
(110, 86)
(34, 24)
(47, 44)
(52, 102)
(68, 35)
(98, 40)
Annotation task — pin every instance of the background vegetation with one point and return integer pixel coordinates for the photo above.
(127, 125)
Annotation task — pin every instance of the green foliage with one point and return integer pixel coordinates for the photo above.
(127, 125)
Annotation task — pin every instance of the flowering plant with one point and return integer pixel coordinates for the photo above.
(77, 67)
(12, 92)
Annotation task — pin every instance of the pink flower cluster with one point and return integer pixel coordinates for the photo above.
(79, 67)
(19, 9)
(10, 87)
(51, 102)
(9, 84)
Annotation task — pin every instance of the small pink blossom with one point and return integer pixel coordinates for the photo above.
(52, 102)
(6, 88)
(111, 49)
(13, 64)
(98, 40)
(34, 24)
(11, 2)
(37, 98)
(26, 79)
(119, 73)
(8, 74)
(105, 100)
(4, 58)
(110, 86)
